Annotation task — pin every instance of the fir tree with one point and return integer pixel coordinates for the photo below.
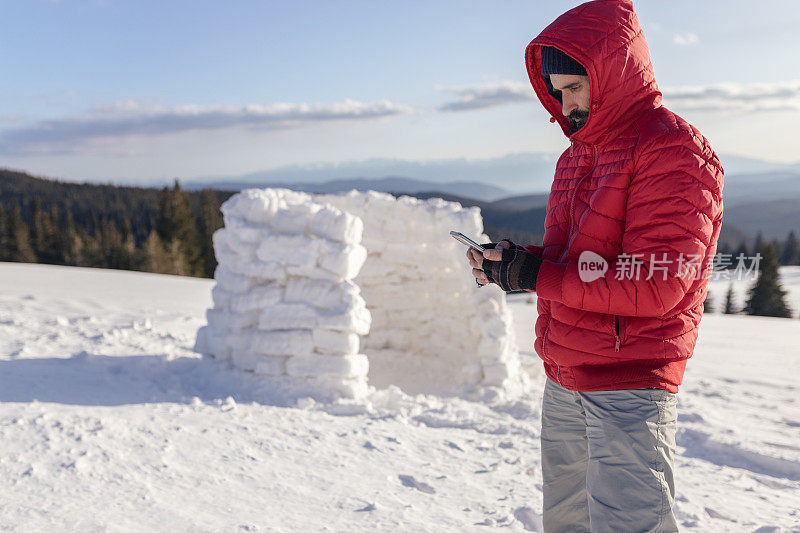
(111, 245)
(791, 250)
(177, 229)
(730, 307)
(778, 246)
(766, 297)
(44, 235)
(68, 241)
(2, 235)
(154, 256)
(708, 303)
(127, 248)
(741, 250)
(759, 244)
(18, 238)
(82, 244)
(210, 221)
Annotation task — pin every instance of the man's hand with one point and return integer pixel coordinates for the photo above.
(509, 265)
(493, 251)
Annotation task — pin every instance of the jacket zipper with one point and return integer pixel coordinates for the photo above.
(572, 201)
(616, 333)
(569, 241)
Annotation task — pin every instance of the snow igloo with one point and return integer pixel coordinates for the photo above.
(333, 295)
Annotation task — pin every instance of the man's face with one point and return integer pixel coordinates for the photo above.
(574, 98)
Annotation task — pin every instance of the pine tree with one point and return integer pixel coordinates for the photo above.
(730, 307)
(778, 246)
(78, 238)
(3, 255)
(177, 229)
(18, 243)
(92, 253)
(791, 250)
(110, 245)
(154, 256)
(36, 229)
(210, 221)
(766, 297)
(127, 249)
(59, 242)
(67, 242)
(759, 244)
(741, 250)
(44, 235)
(708, 303)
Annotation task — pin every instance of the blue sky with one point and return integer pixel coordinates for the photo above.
(143, 90)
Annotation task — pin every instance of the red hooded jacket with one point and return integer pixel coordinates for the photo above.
(637, 179)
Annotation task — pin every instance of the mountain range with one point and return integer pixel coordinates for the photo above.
(508, 175)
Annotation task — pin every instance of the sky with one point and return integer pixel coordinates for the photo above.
(135, 91)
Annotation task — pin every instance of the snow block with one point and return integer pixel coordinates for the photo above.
(310, 286)
(331, 365)
(288, 316)
(291, 342)
(337, 225)
(335, 342)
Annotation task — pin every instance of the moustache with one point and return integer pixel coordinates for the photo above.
(578, 115)
(577, 119)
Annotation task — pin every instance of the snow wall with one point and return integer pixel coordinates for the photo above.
(328, 296)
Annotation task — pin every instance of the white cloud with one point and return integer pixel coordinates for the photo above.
(739, 97)
(733, 97)
(133, 118)
(685, 39)
(487, 95)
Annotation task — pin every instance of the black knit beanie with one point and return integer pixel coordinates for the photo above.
(554, 61)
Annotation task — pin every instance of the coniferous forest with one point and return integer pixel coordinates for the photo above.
(166, 230)
(169, 231)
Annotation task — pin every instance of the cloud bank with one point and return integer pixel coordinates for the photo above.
(487, 95)
(729, 97)
(750, 97)
(132, 118)
(104, 124)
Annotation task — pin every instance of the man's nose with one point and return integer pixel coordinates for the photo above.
(567, 108)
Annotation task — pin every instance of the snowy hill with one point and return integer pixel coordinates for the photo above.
(110, 422)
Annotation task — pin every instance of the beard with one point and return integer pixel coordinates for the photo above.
(577, 119)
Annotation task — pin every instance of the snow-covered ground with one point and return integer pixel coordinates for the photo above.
(109, 422)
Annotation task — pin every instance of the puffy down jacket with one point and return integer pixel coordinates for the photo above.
(637, 179)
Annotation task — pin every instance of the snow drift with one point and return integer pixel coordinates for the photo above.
(316, 292)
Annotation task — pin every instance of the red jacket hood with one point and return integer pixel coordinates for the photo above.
(606, 38)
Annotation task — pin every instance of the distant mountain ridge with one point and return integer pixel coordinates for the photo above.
(766, 202)
(468, 189)
(519, 172)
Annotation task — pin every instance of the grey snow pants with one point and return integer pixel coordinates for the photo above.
(607, 460)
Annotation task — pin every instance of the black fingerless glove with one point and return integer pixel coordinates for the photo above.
(516, 271)
(490, 245)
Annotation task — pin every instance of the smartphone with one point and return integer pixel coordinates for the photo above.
(460, 237)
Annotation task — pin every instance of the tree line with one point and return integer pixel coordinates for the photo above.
(166, 231)
(765, 296)
(169, 231)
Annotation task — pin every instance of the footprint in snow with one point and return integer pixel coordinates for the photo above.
(454, 445)
(530, 519)
(409, 481)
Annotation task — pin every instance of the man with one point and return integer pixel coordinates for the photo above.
(631, 228)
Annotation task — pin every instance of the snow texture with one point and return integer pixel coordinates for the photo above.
(111, 422)
(314, 290)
